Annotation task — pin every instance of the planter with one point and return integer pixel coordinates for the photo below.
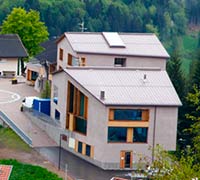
(14, 81)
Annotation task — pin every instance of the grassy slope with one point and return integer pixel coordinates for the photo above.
(22, 171)
(10, 140)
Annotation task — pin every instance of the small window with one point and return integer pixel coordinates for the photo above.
(34, 75)
(75, 61)
(57, 115)
(61, 54)
(140, 134)
(69, 62)
(82, 61)
(88, 150)
(117, 134)
(55, 94)
(120, 62)
(80, 147)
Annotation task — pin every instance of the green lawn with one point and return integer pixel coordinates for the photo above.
(10, 140)
(189, 46)
(22, 171)
(190, 42)
(187, 50)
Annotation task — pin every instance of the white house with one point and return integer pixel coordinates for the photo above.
(11, 52)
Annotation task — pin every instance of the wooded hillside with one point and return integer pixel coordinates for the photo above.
(165, 17)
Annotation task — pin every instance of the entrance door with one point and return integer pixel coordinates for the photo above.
(126, 158)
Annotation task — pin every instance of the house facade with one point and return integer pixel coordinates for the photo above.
(11, 52)
(113, 97)
(92, 49)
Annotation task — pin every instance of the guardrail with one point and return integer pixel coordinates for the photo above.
(16, 129)
(45, 118)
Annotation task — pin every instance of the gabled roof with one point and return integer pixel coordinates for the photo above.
(11, 46)
(127, 86)
(49, 53)
(145, 45)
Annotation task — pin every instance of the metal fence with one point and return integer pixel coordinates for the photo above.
(16, 129)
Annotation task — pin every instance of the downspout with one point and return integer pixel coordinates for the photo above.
(154, 133)
(18, 65)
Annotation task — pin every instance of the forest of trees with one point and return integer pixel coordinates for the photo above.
(167, 18)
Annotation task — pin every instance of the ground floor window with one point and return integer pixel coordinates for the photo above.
(88, 150)
(57, 115)
(80, 147)
(140, 134)
(117, 134)
(84, 149)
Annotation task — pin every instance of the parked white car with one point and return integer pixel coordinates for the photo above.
(28, 102)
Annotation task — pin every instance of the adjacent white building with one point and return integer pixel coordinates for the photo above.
(11, 52)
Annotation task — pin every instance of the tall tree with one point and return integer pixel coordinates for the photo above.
(195, 67)
(166, 167)
(175, 73)
(28, 26)
(193, 116)
(32, 4)
(177, 77)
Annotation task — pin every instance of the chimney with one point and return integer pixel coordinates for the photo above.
(102, 95)
(144, 78)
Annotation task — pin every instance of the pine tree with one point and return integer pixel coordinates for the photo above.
(175, 73)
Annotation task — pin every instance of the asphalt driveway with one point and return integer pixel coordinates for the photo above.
(11, 97)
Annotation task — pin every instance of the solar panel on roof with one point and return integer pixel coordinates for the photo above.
(113, 39)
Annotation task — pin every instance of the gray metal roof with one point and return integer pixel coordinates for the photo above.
(49, 53)
(127, 86)
(146, 45)
(11, 46)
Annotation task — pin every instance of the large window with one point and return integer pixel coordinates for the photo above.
(77, 104)
(77, 101)
(120, 62)
(71, 98)
(140, 134)
(80, 125)
(82, 104)
(127, 114)
(117, 134)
